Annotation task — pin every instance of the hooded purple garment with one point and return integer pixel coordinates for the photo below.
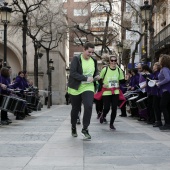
(164, 80)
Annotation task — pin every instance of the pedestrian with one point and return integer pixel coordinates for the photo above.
(83, 70)
(112, 76)
(164, 85)
(67, 98)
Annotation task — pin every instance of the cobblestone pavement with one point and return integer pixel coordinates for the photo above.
(44, 142)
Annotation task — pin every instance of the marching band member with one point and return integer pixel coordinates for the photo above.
(4, 79)
(156, 96)
(164, 85)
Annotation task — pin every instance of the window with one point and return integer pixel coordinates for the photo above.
(80, 12)
(77, 41)
(77, 53)
(98, 22)
(83, 25)
(96, 7)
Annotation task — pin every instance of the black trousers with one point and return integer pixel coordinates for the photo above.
(99, 105)
(110, 100)
(165, 102)
(150, 110)
(76, 100)
(156, 107)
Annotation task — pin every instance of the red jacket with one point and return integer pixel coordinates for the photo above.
(98, 95)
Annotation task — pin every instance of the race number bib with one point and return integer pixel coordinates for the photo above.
(113, 84)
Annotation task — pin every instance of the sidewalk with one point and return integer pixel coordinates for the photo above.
(44, 142)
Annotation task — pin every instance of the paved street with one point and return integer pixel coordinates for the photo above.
(43, 142)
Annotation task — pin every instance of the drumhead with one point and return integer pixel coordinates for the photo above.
(132, 98)
(151, 83)
(141, 99)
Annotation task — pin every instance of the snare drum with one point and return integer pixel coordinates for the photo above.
(132, 102)
(2, 100)
(142, 103)
(10, 104)
(20, 105)
(31, 99)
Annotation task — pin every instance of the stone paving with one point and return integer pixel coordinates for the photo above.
(44, 142)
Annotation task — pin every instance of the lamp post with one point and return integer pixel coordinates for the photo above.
(37, 56)
(5, 19)
(145, 12)
(51, 67)
(120, 50)
(67, 71)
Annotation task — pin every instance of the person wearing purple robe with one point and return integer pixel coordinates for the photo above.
(155, 91)
(164, 85)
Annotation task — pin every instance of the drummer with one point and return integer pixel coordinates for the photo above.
(147, 73)
(21, 84)
(4, 79)
(164, 85)
(156, 96)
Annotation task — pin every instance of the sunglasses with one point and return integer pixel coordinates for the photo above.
(113, 60)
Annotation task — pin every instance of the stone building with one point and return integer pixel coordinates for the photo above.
(59, 55)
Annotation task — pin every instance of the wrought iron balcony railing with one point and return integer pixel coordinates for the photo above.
(162, 38)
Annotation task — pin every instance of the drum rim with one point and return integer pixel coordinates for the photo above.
(141, 99)
(134, 97)
(152, 83)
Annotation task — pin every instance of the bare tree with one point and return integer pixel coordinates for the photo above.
(48, 27)
(21, 9)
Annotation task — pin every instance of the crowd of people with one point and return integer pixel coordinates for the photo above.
(13, 92)
(145, 91)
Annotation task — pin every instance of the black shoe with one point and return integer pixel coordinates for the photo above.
(78, 122)
(27, 114)
(165, 127)
(74, 132)
(9, 120)
(98, 115)
(4, 122)
(157, 124)
(112, 127)
(101, 119)
(19, 118)
(85, 134)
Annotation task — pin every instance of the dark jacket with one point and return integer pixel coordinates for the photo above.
(4, 80)
(20, 83)
(76, 72)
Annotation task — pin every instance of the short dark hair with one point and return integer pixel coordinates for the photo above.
(88, 45)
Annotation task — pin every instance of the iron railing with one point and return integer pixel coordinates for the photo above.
(162, 38)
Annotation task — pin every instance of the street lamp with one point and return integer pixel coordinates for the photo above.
(51, 67)
(145, 12)
(5, 19)
(67, 71)
(120, 50)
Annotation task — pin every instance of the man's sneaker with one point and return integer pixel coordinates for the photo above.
(112, 127)
(78, 122)
(85, 134)
(74, 132)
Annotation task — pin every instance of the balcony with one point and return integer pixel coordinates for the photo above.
(162, 38)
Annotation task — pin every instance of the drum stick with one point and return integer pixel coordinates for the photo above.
(150, 79)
